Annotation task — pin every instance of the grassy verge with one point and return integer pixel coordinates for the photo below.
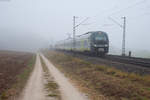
(97, 80)
(50, 85)
(13, 92)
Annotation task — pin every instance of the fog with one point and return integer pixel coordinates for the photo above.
(28, 25)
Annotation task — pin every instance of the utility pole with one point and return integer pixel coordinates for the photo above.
(74, 29)
(74, 32)
(124, 33)
(124, 36)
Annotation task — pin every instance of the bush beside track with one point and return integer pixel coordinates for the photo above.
(101, 82)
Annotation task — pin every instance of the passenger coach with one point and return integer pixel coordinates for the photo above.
(95, 42)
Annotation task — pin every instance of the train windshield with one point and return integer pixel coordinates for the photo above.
(100, 37)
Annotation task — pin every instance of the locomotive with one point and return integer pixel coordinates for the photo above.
(94, 42)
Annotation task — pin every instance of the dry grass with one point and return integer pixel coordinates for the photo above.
(103, 80)
(15, 68)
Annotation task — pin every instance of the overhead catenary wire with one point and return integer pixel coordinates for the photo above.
(128, 7)
(81, 23)
(119, 11)
(110, 10)
(115, 21)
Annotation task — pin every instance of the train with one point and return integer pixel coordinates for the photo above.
(94, 42)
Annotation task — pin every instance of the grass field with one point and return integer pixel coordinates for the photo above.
(101, 82)
(15, 68)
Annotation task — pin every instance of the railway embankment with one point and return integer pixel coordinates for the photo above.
(120, 63)
(101, 81)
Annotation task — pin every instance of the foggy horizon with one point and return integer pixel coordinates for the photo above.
(27, 25)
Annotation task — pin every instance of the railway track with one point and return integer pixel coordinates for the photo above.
(144, 62)
(127, 64)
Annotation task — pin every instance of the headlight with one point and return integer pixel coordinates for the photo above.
(106, 45)
(95, 45)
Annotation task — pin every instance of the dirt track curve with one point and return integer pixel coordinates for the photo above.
(34, 89)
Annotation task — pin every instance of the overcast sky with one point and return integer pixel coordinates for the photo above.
(31, 24)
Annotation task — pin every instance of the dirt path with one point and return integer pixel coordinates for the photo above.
(34, 87)
(68, 91)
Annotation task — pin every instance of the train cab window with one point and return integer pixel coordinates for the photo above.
(100, 37)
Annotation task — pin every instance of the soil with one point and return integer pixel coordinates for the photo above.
(11, 65)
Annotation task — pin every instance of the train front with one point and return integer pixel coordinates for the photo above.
(100, 42)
